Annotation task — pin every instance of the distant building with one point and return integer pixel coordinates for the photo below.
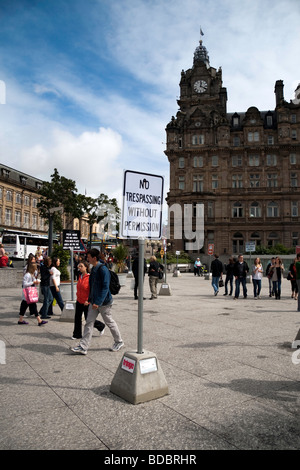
(243, 166)
(18, 204)
(18, 201)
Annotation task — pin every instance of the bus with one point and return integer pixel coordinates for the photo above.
(18, 245)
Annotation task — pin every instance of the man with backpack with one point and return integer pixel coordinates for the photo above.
(101, 301)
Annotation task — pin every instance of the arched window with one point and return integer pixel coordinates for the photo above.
(255, 209)
(272, 209)
(255, 236)
(237, 210)
(237, 243)
(273, 239)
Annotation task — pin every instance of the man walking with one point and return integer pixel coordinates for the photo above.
(240, 272)
(217, 272)
(101, 301)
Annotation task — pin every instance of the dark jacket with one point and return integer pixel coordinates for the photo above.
(241, 269)
(45, 275)
(154, 267)
(99, 285)
(216, 268)
(135, 266)
(229, 270)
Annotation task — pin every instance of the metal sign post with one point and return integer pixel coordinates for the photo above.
(139, 377)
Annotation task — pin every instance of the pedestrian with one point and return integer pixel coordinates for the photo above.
(277, 271)
(101, 302)
(29, 280)
(293, 279)
(2, 250)
(135, 270)
(269, 273)
(197, 267)
(75, 267)
(240, 272)
(155, 268)
(257, 274)
(217, 273)
(4, 261)
(229, 276)
(82, 302)
(55, 285)
(298, 279)
(45, 287)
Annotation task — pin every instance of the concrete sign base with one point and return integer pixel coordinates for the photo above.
(139, 378)
(68, 313)
(165, 289)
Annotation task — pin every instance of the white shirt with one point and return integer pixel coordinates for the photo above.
(257, 271)
(55, 274)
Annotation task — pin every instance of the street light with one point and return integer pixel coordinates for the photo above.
(50, 230)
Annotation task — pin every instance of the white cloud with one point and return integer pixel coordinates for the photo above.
(91, 159)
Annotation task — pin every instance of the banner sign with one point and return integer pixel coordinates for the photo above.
(71, 239)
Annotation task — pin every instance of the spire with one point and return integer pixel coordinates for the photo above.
(200, 54)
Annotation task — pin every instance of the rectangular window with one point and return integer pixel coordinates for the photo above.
(18, 198)
(198, 162)
(214, 182)
(293, 159)
(26, 220)
(26, 200)
(210, 209)
(214, 160)
(253, 160)
(269, 120)
(294, 208)
(181, 162)
(254, 180)
(293, 118)
(9, 196)
(294, 134)
(271, 160)
(253, 136)
(237, 160)
(272, 180)
(294, 180)
(236, 141)
(181, 182)
(34, 202)
(34, 221)
(237, 181)
(7, 216)
(18, 218)
(198, 183)
(270, 140)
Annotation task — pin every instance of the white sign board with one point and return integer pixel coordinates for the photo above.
(142, 205)
(250, 246)
(148, 365)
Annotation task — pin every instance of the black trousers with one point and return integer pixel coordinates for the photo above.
(79, 310)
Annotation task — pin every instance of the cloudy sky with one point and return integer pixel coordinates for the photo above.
(88, 86)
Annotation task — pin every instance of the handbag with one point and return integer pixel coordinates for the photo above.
(31, 294)
(221, 283)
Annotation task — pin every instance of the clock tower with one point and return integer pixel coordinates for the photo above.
(243, 167)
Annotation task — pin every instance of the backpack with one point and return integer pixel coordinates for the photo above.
(114, 284)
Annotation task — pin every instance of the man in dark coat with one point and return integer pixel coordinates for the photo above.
(240, 272)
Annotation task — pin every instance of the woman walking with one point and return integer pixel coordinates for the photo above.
(29, 280)
(82, 302)
(55, 285)
(257, 273)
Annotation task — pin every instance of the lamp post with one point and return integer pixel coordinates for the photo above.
(50, 230)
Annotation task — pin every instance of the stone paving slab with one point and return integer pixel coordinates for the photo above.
(228, 365)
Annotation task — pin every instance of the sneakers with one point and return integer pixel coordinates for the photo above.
(102, 332)
(117, 346)
(23, 322)
(79, 350)
(43, 322)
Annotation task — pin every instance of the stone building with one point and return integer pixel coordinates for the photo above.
(243, 166)
(18, 205)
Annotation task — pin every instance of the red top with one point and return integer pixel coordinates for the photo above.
(3, 261)
(83, 288)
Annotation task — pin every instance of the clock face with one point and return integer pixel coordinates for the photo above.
(200, 86)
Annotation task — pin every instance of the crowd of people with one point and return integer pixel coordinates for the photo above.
(93, 294)
(237, 270)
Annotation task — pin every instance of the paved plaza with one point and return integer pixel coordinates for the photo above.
(228, 364)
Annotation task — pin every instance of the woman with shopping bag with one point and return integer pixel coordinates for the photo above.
(30, 295)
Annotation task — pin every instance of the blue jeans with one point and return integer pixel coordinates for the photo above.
(256, 287)
(57, 296)
(215, 283)
(48, 299)
(277, 288)
(238, 281)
